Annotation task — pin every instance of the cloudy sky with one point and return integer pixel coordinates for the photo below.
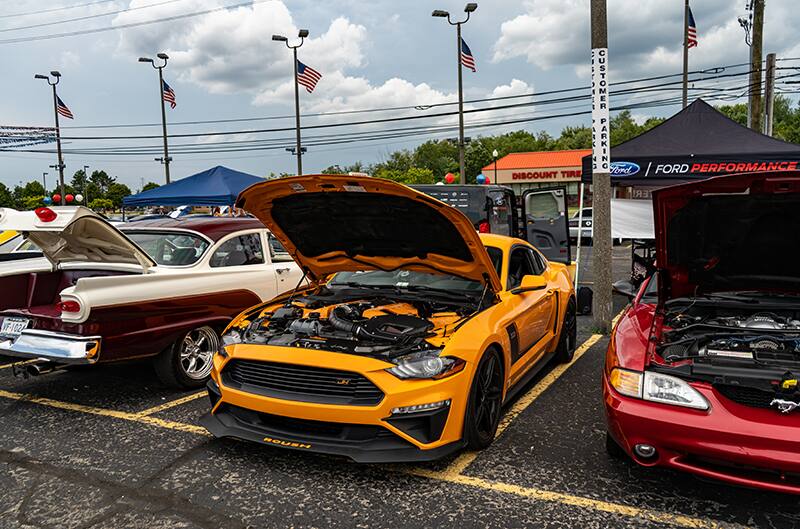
(373, 54)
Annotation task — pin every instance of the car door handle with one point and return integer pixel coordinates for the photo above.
(282, 270)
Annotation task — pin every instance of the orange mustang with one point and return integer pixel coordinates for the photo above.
(412, 334)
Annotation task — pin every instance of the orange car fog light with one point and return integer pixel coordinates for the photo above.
(421, 407)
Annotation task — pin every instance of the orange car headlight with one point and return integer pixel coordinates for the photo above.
(426, 364)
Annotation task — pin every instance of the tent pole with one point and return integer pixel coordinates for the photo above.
(580, 229)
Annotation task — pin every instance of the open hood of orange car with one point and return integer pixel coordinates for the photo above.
(332, 223)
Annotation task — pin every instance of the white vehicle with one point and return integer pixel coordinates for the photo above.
(586, 231)
(162, 288)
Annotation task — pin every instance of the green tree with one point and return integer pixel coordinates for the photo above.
(414, 175)
(439, 156)
(737, 113)
(116, 192)
(101, 204)
(150, 185)
(574, 138)
(79, 180)
(6, 197)
(33, 188)
(102, 180)
(32, 202)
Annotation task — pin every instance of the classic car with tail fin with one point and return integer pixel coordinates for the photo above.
(162, 289)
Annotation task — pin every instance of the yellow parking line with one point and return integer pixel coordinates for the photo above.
(450, 477)
(23, 363)
(578, 501)
(134, 417)
(172, 403)
(460, 463)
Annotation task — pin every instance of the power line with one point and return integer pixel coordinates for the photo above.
(399, 118)
(718, 69)
(87, 17)
(128, 25)
(54, 9)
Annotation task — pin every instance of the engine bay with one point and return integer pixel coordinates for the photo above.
(749, 335)
(377, 326)
(733, 344)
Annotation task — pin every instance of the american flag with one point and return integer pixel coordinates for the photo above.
(62, 109)
(168, 94)
(466, 57)
(692, 31)
(307, 76)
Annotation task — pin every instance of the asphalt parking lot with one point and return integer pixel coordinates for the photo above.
(110, 447)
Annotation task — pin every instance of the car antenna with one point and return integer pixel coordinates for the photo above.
(289, 301)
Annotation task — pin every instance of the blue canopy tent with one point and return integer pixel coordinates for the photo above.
(218, 186)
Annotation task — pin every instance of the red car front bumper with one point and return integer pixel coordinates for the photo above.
(730, 442)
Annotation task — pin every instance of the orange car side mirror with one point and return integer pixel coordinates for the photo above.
(530, 283)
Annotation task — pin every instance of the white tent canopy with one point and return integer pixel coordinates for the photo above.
(632, 219)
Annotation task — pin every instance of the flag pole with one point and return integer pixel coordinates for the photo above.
(297, 113)
(685, 53)
(58, 143)
(167, 159)
(462, 177)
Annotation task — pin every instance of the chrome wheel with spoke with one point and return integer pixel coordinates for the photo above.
(197, 350)
(187, 363)
(485, 402)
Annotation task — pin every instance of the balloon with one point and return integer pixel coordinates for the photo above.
(57, 198)
(78, 198)
(69, 198)
(48, 200)
(481, 179)
(449, 178)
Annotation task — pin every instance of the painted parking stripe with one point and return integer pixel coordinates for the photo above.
(103, 412)
(638, 513)
(12, 364)
(172, 403)
(450, 477)
(460, 463)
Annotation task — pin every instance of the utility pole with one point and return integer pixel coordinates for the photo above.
(769, 94)
(166, 159)
(685, 53)
(298, 150)
(468, 9)
(754, 101)
(60, 165)
(601, 179)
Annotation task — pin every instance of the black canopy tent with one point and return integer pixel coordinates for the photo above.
(696, 143)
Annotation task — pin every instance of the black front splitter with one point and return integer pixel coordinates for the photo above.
(224, 424)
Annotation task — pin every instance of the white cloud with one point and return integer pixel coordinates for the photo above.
(644, 37)
(232, 51)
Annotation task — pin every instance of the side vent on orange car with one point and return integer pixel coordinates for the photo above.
(513, 337)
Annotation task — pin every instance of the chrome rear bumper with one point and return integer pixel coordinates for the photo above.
(53, 346)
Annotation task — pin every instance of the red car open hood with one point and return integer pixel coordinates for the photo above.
(729, 233)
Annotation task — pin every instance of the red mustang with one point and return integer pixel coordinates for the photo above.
(702, 369)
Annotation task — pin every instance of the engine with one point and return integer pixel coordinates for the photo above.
(363, 327)
(755, 338)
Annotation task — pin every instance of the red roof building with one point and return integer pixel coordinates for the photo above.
(528, 170)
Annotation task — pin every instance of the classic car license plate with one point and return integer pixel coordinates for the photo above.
(13, 326)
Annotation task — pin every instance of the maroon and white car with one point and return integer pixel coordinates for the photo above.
(160, 288)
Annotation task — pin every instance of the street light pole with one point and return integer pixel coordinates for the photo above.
(86, 184)
(495, 154)
(166, 159)
(60, 164)
(298, 149)
(469, 8)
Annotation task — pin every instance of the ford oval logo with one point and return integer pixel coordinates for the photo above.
(624, 168)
